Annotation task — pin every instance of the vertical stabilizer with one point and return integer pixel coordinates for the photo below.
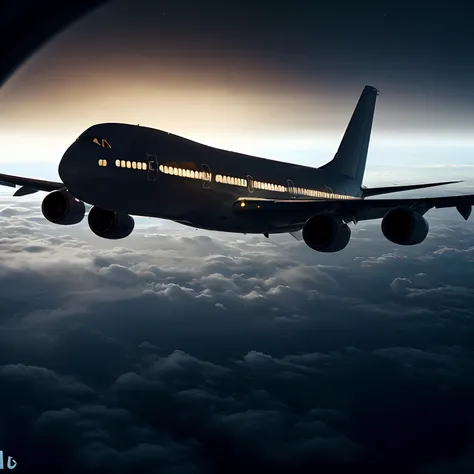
(351, 156)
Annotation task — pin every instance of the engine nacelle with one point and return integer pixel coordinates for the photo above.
(110, 225)
(404, 226)
(61, 207)
(326, 233)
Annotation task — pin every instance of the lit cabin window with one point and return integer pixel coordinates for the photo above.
(139, 166)
(165, 169)
(180, 172)
(129, 164)
(161, 168)
(100, 162)
(144, 166)
(192, 174)
(218, 178)
(123, 163)
(175, 171)
(134, 165)
(117, 163)
(104, 162)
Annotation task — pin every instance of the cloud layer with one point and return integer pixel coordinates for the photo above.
(176, 351)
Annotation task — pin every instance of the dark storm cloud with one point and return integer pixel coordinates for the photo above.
(185, 353)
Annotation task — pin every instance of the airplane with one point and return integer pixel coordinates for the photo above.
(124, 170)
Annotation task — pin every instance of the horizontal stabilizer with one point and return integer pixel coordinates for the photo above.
(367, 192)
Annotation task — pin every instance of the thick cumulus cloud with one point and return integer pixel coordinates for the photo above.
(176, 351)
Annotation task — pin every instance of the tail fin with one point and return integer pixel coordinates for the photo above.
(351, 156)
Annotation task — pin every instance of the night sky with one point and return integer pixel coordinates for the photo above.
(180, 351)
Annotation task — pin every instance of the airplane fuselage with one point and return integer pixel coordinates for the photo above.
(146, 172)
(124, 170)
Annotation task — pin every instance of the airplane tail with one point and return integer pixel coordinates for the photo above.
(351, 156)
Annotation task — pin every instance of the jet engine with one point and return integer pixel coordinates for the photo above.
(110, 225)
(326, 233)
(404, 226)
(61, 207)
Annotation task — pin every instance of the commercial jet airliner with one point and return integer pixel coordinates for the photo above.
(123, 170)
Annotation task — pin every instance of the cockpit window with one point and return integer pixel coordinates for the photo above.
(102, 142)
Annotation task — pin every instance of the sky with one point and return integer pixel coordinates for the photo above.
(278, 81)
(183, 351)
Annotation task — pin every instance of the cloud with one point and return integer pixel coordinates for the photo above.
(173, 351)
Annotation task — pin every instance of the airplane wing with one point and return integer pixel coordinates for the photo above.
(29, 185)
(293, 212)
(367, 192)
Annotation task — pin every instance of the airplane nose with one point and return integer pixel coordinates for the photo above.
(69, 169)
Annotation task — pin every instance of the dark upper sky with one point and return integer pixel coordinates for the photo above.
(253, 66)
